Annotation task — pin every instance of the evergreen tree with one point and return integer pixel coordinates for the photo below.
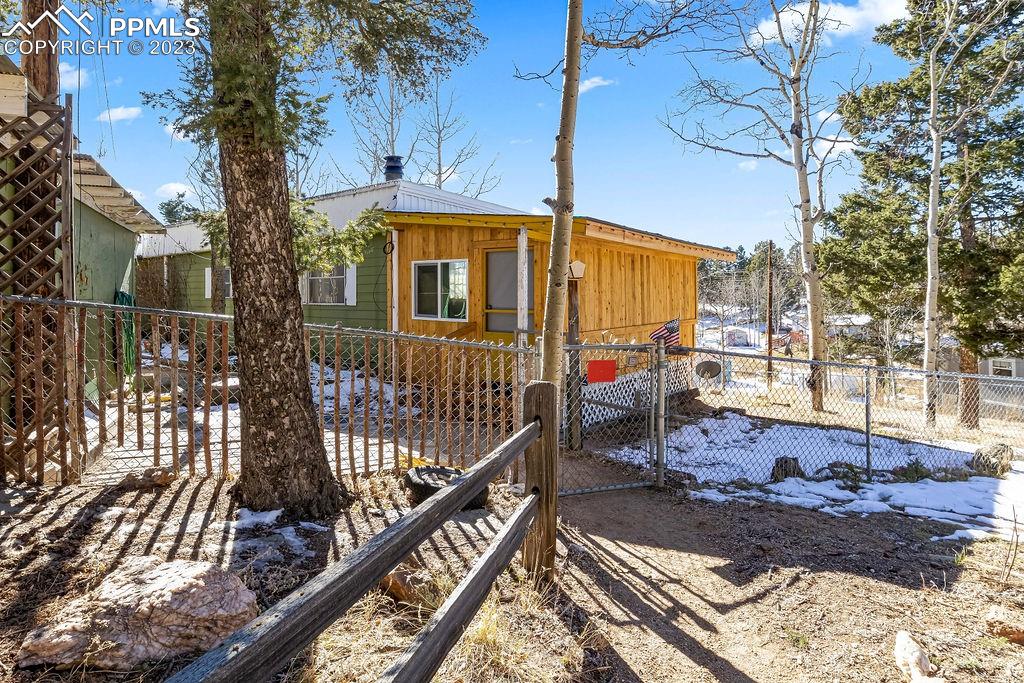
(880, 234)
(251, 90)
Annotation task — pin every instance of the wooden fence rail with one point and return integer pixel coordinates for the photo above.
(264, 646)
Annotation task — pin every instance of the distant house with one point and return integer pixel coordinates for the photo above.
(852, 325)
(453, 266)
(108, 224)
(1002, 367)
(106, 219)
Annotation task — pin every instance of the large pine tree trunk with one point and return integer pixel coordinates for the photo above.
(563, 206)
(284, 463)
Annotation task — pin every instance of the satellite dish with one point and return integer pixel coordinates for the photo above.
(708, 369)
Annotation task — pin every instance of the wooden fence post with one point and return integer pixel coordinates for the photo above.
(540, 402)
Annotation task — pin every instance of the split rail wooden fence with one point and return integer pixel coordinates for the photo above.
(263, 647)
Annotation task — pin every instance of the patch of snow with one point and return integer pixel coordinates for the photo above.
(354, 388)
(731, 446)
(248, 519)
(313, 526)
(986, 507)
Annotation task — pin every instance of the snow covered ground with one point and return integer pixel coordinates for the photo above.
(983, 506)
(721, 451)
(733, 446)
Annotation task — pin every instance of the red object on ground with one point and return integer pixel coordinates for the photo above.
(601, 371)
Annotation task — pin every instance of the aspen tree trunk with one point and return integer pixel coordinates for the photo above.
(562, 207)
(284, 463)
(931, 301)
(811, 276)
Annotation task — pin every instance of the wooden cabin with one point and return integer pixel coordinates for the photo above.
(453, 266)
(459, 275)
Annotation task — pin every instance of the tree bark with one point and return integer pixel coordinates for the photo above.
(216, 283)
(931, 301)
(284, 463)
(40, 67)
(812, 278)
(563, 205)
(969, 394)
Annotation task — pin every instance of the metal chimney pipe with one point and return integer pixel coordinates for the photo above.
(393, 169)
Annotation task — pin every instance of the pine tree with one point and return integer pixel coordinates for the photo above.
(972, 235)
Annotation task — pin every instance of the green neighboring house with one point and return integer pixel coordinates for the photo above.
(178, 261)
(108, 223)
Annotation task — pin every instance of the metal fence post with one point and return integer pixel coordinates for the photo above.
(652, 414)
(660, 421)
(867, 421)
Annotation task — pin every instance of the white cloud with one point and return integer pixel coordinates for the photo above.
(537, 211)
(520, 141)
(120, 114)
(862, 16)
(138, 194)
(70, 77)
(748, 165)
(117, 81)
(826, 116)
(594, 82)
(835, 145)
(174, 132)
(172, 190)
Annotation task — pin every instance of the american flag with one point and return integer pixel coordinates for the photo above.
(669, 332)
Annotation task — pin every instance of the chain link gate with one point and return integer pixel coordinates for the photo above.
(610, 394)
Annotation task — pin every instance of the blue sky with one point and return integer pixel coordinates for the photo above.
(629, 169)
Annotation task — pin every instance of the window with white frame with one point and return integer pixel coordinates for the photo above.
(225, 282)
(337, 286)
(1002, 367)
(440, 290)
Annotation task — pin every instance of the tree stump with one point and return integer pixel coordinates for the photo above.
(786, 467)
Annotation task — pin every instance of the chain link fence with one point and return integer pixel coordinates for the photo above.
(735, 417)
(94, 392)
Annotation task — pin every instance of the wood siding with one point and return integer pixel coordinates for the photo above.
(627, 291)
(188, 287)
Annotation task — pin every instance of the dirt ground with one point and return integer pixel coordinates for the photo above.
(693, 591)
(57, 543)
(654, 586)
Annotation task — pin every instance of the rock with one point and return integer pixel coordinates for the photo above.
(1002, 623)
(402, 585)
(146, 609)
(912, 660)
(151, 476)
(992, 461)
(785, 468)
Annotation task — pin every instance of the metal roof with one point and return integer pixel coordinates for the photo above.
(97, 189)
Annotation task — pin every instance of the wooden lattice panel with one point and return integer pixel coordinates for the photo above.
(35, 152)
(35, 261)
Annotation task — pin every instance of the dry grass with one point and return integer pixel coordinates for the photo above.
(516, 637)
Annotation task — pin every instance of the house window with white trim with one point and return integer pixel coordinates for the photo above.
(225, 282)
(1001, 367)
(440, 290)
(337, 286)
